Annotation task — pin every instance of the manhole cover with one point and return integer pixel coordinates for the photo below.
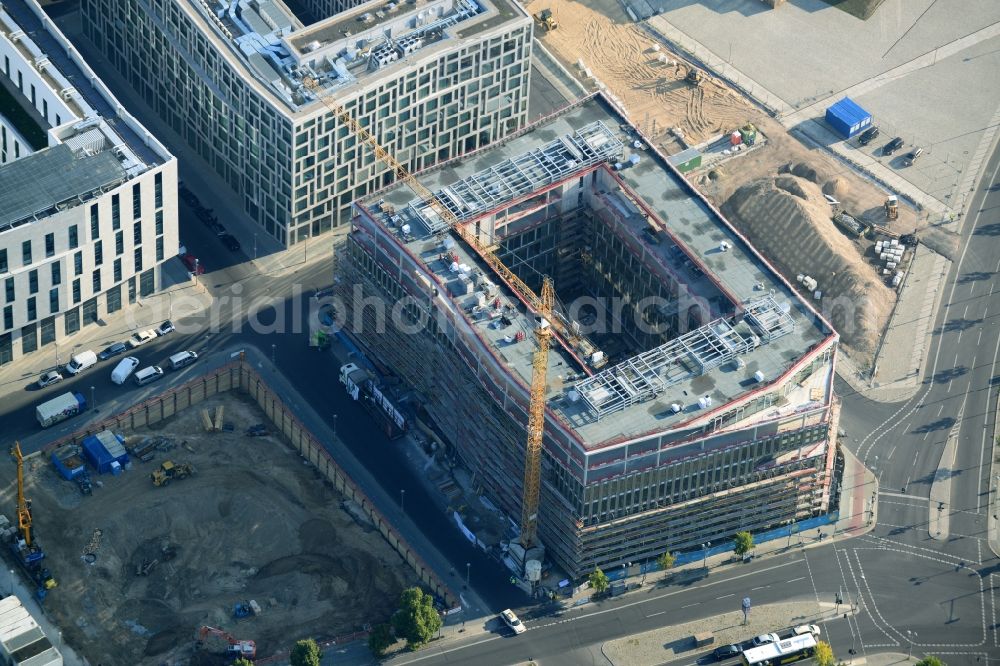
(90, 558)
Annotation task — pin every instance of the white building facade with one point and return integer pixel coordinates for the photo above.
(86, 219)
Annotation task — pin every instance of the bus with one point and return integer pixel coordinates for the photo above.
(783, 652)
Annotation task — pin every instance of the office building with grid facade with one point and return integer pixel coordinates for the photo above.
(88, 210)
(431, 79)
(691, 395)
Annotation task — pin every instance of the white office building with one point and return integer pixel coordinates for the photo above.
(88, 197)
(430, 79)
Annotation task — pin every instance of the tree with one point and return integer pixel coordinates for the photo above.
(666, 561)
(242, 661)
(823, 656)
(416, 621)
(931, 660)
(743, 543)
(305, 653)
(599, 581)
(380, 639)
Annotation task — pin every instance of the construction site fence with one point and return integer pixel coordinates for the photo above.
(241, 376)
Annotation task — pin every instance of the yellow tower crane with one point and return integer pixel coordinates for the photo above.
(23, 505)
(536, 419)
(543, 307)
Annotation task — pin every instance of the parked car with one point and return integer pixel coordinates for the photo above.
(868, 135)
(148, 374)
(806, 629)
(892, 146)
(49, 378)
(112, 350)
(193, 264)
(512, 621)
(140, 338)
(912, 156)
(726, 652)
(124, 369)
(764, 639)
(165, 327)
(230, 242)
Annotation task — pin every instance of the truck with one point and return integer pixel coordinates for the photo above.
(362, 387)
(60, 408)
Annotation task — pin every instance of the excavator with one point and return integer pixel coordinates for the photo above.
(27, 551)
(234, 647)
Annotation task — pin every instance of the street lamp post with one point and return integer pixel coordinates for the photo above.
(93, 399)
(273, 349)
(704, 554)
(255, 246)
(334, 424)
(402, 500)
(468, 569)
(11, 581)
(910, 635)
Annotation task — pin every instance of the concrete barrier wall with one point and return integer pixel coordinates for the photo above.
(242, 377)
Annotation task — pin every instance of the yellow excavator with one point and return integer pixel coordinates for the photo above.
(26, 549)
(546, 20)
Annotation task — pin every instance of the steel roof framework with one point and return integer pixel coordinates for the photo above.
(521, 175)
(647, 375)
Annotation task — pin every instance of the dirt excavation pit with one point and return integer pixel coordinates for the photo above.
(253, 522)
(655, 94)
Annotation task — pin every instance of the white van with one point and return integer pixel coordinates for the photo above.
(80, 362)
(124, 369)
(148, 374)
(179, 360)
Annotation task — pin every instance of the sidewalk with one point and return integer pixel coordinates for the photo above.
(906, 342)
(147, 312)
(857, 517)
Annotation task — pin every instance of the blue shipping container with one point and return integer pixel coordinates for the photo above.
(104, 449)
(847, 118)
(69, 465)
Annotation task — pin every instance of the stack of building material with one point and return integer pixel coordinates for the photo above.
(22, 641)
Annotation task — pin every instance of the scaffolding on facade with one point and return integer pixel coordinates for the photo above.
(519, 176)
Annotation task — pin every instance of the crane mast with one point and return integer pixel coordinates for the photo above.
(541, 305)
(23, 506)
(536, 420)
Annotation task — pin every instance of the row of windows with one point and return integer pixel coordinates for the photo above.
(33, 95)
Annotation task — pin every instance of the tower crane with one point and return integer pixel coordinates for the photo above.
(541, 305)
(536, 419)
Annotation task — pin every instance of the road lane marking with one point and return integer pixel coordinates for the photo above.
(759, 587)
(697, 603)
(903, 495)
(891, 451)
(940, 409)
(655, 614)
(726, 595)
(795, 580)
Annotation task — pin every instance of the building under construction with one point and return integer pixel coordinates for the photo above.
(689, 389)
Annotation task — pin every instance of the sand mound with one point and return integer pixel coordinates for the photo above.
(787, 218)
(837, 188)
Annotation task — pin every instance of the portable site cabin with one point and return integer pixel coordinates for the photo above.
(847, 118)
(106, 452)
